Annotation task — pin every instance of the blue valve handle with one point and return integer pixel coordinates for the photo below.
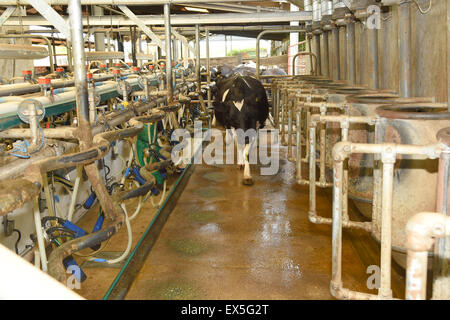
(70, 261)
(90, 200)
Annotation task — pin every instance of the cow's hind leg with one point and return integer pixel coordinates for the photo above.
(248, 181)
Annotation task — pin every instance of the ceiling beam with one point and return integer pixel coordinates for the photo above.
(115, 2)
(177, 19)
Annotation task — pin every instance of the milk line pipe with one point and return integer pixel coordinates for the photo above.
(312, 55)
(388, 153)
(49, 45)
(113, 212)
(71, 133)
(344, 122)
(423, 229)
(258, 38)
(24, 88)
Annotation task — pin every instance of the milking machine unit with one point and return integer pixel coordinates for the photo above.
(89, 144)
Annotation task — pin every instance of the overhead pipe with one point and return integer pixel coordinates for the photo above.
(181, 19)
(116, 2)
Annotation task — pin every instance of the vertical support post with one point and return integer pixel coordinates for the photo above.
(312, 169)
(404, 49)
(197, 58)
(388, 160)
(325, 54)
(208, 68)
(76, 26)
(441, 263)
(168, 49)
(351, 70)
(362, 54)
(336, 237)
(372, 38)
(298, 126)
(99, 36)
(343, 53)
(318, 53)
(336, 61)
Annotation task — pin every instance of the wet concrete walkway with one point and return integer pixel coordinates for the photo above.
(228, 241)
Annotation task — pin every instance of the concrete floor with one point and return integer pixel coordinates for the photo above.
(228, 241)
(225, 240)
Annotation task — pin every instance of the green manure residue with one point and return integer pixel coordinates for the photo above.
(188, 247)
(205, 216)
(215, 176)
(208, 192)
(173, 290)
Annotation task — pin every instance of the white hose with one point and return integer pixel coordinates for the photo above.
(127, 250)
(139, 206)
(163, 195)
(39, 235)
(76, 187)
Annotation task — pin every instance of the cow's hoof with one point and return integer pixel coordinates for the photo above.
(247, 181)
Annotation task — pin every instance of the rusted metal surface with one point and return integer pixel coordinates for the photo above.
(15, 193)
(422, 230)
(388, 154)
(18, 51)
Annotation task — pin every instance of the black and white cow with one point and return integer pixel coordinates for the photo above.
(241, 103)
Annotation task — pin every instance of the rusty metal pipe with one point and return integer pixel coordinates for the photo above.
(388, 152)
(312, 55)
(344, 122)
(441, 289)
(422, 229)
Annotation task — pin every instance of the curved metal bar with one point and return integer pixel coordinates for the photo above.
(258, 38)
(314, 70)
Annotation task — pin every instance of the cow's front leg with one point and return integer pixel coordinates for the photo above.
(248, 181)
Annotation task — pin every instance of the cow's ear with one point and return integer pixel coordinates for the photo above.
(221, 107)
